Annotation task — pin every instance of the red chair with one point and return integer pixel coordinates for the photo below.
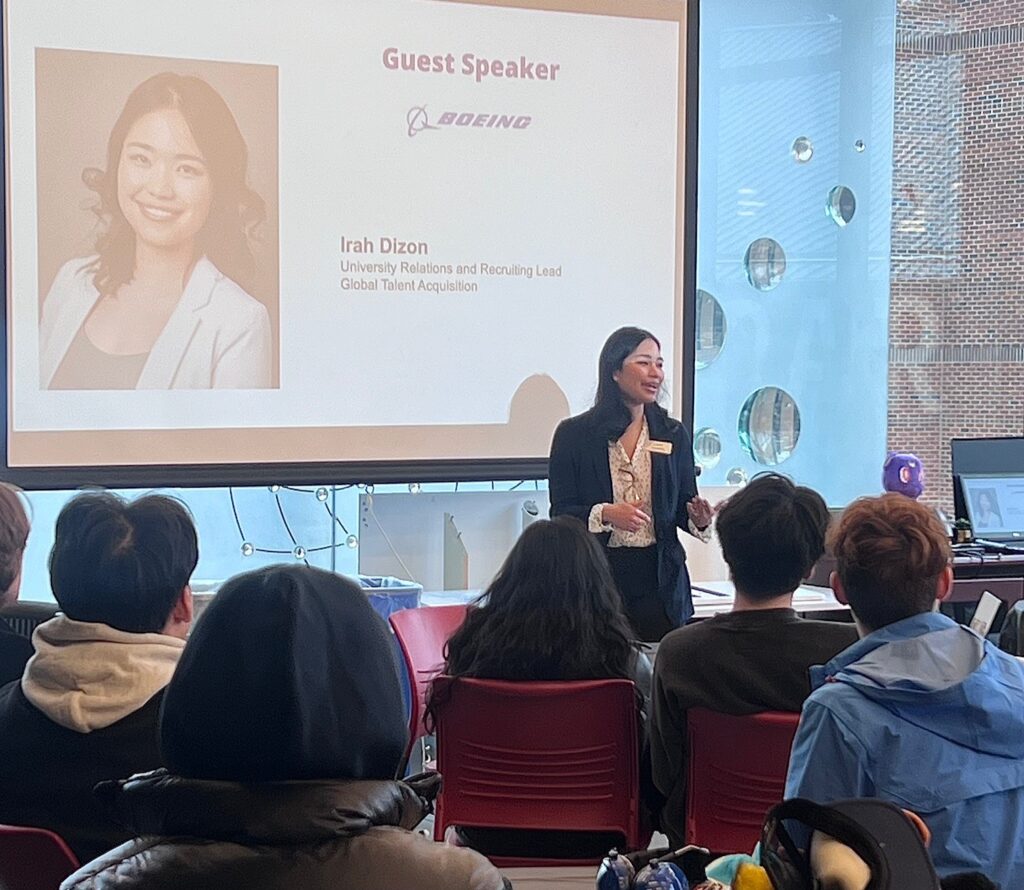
(554, 756)
(33, 858)
(422, 634)
(737, 772)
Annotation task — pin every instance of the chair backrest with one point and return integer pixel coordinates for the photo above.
(24, 616)
(33, 858)
(538, 755)
(422, 634)
(736, 773)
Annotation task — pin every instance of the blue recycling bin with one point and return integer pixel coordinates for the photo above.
(387, 596)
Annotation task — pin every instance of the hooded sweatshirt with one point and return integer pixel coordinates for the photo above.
(930, 716)
(84, 711)
(282, 730)
(88, 676)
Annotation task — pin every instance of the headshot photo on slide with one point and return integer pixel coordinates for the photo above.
(157, 220)
(987, 512)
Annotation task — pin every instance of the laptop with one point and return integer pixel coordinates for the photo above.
(994, 503)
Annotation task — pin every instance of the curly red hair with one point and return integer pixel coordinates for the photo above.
(890, 552)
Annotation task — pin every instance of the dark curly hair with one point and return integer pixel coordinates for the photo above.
(552, 612)
(235, 210)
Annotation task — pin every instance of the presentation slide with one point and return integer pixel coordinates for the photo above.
(332, 230)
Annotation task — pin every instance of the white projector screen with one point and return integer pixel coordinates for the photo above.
(361, 234)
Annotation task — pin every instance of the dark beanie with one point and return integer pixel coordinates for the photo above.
(289, 674)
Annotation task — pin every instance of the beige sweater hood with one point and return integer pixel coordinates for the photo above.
(88, 676)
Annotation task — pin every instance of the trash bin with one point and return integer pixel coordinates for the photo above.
(389, 595)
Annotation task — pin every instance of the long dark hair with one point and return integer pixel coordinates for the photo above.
(235, 210)
(610, 415)
(552, 612)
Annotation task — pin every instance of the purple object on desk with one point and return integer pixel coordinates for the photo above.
(903, 473)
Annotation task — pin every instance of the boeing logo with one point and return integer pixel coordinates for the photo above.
(417, 120)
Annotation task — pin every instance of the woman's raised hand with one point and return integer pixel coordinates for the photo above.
(700, 512)
(627, 516)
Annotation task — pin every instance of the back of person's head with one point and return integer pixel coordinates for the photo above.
(289, 674)
(14, 528)
(890, 552)
(552, 612)
(122, 563)
(772, 533)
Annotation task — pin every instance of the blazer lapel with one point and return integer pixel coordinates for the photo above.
(661, 475)
(170, 347)
(72, 316)
(601, 469)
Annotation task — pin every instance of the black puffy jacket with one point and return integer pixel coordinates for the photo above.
(305, 835)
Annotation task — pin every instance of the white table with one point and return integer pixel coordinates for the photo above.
(712, 597)
(709, 598)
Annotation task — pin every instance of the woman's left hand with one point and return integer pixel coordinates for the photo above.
(700, 512)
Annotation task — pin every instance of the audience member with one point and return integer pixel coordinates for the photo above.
(921, 711)
(553, 612)
(283, 728)
(15, 649)
(87, 705)
(756, 657)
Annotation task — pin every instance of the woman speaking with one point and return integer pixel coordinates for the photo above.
(626, 469)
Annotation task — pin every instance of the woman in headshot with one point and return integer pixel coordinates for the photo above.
(626, 469)
(282, 730)
(552, 612)
(986, 514)
(162, 304)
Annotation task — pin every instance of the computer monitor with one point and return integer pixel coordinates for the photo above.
(999, 456)
(994, 503)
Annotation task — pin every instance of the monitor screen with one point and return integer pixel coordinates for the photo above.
(995, 505)
(991, 456)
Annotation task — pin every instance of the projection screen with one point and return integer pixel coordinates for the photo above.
(334, 239)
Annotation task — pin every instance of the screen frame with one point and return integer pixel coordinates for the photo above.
(982, 456)
(384, 471)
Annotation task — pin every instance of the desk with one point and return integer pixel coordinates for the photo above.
(709, 598)
(713, 597)
(1000, 574)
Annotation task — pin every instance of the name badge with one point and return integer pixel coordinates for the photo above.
(656, 447)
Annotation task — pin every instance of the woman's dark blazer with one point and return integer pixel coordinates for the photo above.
(579, 477)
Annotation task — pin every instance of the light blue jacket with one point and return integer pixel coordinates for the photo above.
(930, 716)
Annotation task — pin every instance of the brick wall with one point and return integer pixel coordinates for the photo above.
(956, 330)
